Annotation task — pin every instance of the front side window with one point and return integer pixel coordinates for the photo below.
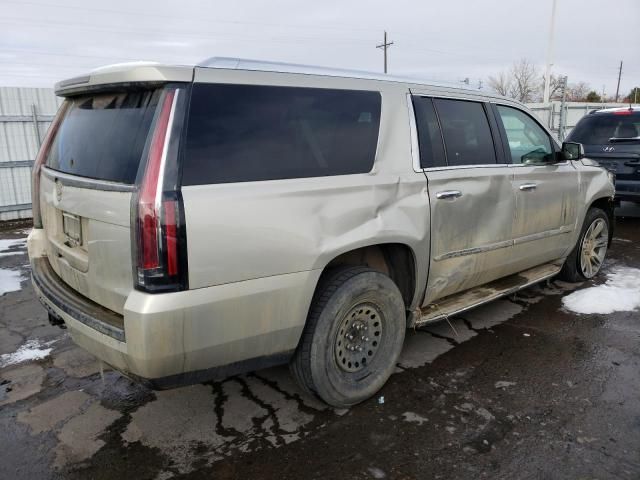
(242, 133)
(528, 142)
(466, 132)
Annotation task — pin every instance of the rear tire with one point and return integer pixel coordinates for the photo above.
(352, 338)
(585, 260)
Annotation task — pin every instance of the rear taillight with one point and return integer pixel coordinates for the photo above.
(159, 233)
(41, 158)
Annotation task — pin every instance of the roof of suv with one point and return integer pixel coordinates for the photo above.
(631, 108)
(133, 72)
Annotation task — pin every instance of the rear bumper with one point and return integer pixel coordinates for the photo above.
(171, 339)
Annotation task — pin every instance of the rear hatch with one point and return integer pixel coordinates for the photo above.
(613, 140)
(91, 173)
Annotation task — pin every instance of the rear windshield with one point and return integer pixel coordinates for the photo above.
(102, 136)
(241, 133)
(600, 128)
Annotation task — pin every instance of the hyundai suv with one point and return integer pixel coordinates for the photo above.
(612, 138)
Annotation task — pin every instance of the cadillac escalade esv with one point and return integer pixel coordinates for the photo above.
(194, 222)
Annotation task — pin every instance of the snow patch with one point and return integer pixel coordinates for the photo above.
(620, 293)
(32, 350)
(504, 384)
(413, 417)
(9, 281)
(7, 246)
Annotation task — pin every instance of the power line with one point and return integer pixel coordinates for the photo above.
(147, 14)
(384, 46)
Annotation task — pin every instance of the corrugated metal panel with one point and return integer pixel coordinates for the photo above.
(19, 142)
(18, 101)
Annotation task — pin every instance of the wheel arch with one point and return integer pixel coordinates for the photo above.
(397, 260)
(607, 205)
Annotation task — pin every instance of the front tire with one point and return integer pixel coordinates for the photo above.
(353, 336)
(586, 259)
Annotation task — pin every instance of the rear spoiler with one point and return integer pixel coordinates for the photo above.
(124, 76)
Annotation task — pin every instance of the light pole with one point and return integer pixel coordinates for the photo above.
(547, 73)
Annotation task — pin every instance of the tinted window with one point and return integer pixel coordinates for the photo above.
(528, 142)
(466, 132)
(240, 133)
(429, 137)
(600, 128)
(102, 136)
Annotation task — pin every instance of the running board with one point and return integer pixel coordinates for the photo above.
(460, 302)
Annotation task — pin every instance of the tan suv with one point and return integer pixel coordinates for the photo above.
(196, 222)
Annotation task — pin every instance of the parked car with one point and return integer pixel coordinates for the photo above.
(612, 137)
(192, 223)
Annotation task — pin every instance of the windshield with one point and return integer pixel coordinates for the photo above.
(102, 135)
(599, 129)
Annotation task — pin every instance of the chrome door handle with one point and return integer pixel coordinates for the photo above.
(528, 186)
(448, 194)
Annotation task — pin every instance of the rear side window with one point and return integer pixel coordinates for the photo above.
(242, 133)
(466, 132)
(429, 137)
(606, 128)
(102, 136)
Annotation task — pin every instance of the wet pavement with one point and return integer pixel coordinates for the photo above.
(519, 388)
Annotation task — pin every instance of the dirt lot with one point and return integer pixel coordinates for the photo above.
(521, 388)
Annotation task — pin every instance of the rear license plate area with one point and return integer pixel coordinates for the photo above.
(72, 229)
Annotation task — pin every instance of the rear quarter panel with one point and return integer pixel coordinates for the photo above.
(251, 230)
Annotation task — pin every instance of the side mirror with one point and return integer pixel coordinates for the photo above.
(572, 151)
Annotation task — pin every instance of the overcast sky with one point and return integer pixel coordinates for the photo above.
(43, 41)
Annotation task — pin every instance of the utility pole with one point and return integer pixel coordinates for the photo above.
(619, 75)
(547, 73)
(384, 47)
(562, 128)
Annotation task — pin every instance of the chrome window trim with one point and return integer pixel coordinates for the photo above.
(413, 132)
(518, 165)
(466, 167)
(67, 179)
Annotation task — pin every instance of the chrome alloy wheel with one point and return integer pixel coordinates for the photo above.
(594, 248)
(359, 337)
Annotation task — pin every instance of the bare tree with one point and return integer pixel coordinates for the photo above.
(525, 86)
(577, 92)
(501, 83)
(555, 86)
(519, 82)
